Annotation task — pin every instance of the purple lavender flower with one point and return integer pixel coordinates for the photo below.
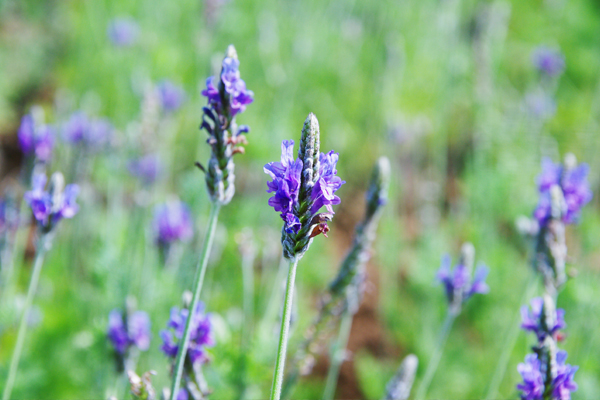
(574, 185)
(201, 334)
(285, 185)
(37, 140)
(533, 372)
(135, 333)
(533, 320)
(549, 61)
(532, 387)
(172, 221)
(540, 105)
(171, 96)
(49, 207)
(564, 384)
(458, 284)
(147, 168)
(93, 133)
(123, 31)
(235, 94)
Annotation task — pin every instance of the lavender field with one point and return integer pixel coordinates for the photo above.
(233, 199)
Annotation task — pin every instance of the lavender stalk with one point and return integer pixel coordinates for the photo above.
(344, 294)
(301, 188)
(459, 287)
(227, 97)
(398, 388)
(48, 207)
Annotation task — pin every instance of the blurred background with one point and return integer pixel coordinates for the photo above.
(449, 90)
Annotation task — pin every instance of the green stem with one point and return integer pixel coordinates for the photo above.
(437, 355)
(199, 279)
(337, 355)
(42, 248)
(284, 332)
(509, 344)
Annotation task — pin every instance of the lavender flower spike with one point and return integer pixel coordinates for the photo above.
(546, 376)
(172, 222)
(36, 140)
(302, 187)
(458, 285)
(542, 319)
(398, 388)
(171, 96)
(50, 206)
(548, 61)
(128, 331)
(123, 31)
(227, 96)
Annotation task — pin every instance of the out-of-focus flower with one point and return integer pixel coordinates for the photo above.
(93, 133)
(574, 185)
(123, 31)
(52, 205)
(536, 319)
(458, 283)
(540, 105)
(201, 335)
(134, 332)
(147, 168)
(36, 140)
(172, 221)
(549, 61)
(533, 372)
(171, 96)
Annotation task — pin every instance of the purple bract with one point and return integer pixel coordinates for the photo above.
(201, 335)
(574, 185)
(533, 372)
(135, 333)
(172, 221)
(459, 282)
(37, 140)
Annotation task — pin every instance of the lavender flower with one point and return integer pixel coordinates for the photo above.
(147, 168)
(133, 333)
(302, 187)
(539, 384)
(92, 133)
(540, 105)
(50, 206)
(542, 319)
(36, 140)
(572, 180)
(227, 96)
(172, 221)
(123, 32)
(458, 285)
(171, 96)
(201, 334)
(549, 61)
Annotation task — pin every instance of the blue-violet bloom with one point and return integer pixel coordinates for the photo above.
(37, 140)
(123, 31)
(532, 320)
(459, 282)
(574, 185)
(549, 61)
(237, 95)
(172, 221)
(201, 335)
(171, 96)
(50, 207)
(147, 168)
(134, 332)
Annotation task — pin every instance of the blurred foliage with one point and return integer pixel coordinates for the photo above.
(438, 86)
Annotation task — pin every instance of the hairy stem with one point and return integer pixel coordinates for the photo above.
(41, 250)
(337, 355)
(437, 355)
(284, 332)
(199, 279)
